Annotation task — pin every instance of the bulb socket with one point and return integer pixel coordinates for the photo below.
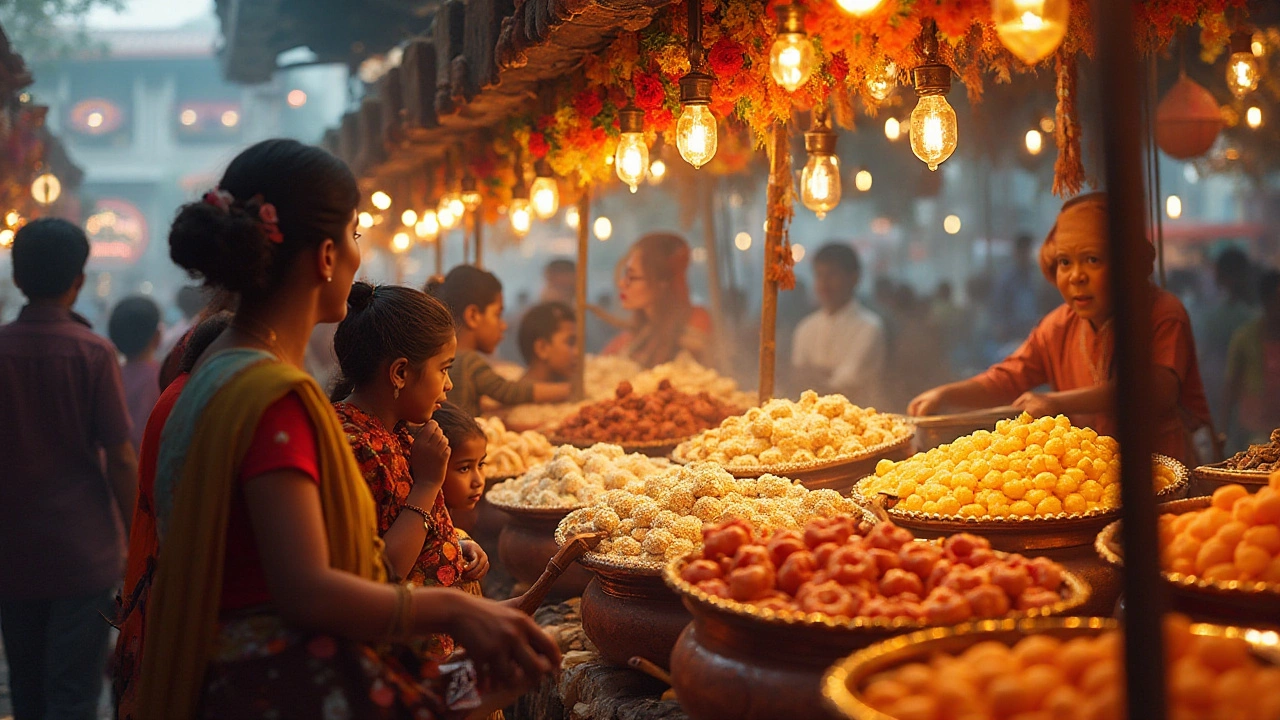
(631, 119)
(695, 88)
(932, 79)
(790, 18)
(542, 168)
(820, 142)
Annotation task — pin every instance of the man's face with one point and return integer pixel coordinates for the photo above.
(833, 286)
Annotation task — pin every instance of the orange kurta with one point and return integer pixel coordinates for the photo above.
(1065, 352)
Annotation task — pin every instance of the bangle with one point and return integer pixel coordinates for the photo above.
(427, 521)
(402, 617)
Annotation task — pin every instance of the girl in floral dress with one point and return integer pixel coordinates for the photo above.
(395, 349)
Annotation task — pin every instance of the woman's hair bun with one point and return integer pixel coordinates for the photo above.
(227, 249)
(360, 297)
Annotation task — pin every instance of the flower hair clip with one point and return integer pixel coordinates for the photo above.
(220, 199)
(266, 215)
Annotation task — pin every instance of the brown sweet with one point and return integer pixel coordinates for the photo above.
(666, 414)
(834, 569)
(1045, 678)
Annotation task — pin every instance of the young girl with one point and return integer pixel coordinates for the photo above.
(464, 481)
(1071, 349)
(475, 298)
(270, 598)
(395, 348)
(549, 342)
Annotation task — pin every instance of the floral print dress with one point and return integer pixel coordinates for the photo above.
(383, 456)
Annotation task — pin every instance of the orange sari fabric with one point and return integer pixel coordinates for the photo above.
(1065, 352)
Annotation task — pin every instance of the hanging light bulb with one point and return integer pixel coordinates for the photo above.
(445, 215)
(657, 171)
(696, 129)
(1253, 116)
(364, 220)
(571, 217)
(1258, 44)
(456, 206)
(544, 193)
(521, 213)
(820, 179)
(380, 200)
(470, 195)
(791, 57)
(428, 227)
(1031, 29)
(859, 7)
(1034, 141)
(401, 242)
(892, 129)
(862, 180)
(879, 85)
(631, 159)
(1242, 67)
(933, 122)
(409, 217)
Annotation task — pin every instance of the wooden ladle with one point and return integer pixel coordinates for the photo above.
(573, 548)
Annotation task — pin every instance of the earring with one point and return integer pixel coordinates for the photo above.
(396, 394)
(328, 278)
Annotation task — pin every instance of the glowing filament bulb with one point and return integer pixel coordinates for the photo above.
(820, 184)
(1031, 29)
(445, 215)
(409, 218)
(521, 216)
(631, 160)
(571, 218)
(933, 130)
(1242, 74)
(859, 7)
(862, 180)
(657, 171)
(364, 220)
(1253, 116)
(892, 129)
(544, 194)
(696, 135)
(428, 227)
(400, 242)
(380, 200)
(1034, 142)
(791, 60)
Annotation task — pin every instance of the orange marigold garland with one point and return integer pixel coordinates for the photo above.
(1068, 170)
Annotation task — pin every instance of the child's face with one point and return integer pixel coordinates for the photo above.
(488, 326)
(560, 352)
(833, 286)
(464, 482)
(425, 387)
(1083, 275)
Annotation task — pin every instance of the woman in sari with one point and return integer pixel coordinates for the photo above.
(269, 597)
(1071, 349)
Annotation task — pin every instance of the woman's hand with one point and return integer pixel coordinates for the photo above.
(926, 403)
(429, 459)
(506, 645)
(477, 561)
(1036, 404)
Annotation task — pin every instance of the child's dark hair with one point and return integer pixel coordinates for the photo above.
(48, 255)
(383, 323)
(133, 324)
(464, 286)
(227, 242)
(541, 323)
(839, 256)
(456, 424)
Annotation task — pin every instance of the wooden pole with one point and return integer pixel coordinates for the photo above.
(466, 239)
(580, 291)
(478, 230)
(775, 226)
(1130, 287)
(439, 248)
(718, 354)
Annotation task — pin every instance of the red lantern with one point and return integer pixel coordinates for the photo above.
(1187, 120)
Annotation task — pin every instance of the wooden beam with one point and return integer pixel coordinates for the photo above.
(776, 225)
(450, 24)
(418, 77)
(580, 290)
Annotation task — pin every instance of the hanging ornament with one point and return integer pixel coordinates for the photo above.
(696, 129)
(631, 159)
(544, 193)
(933, 123)
(1242, 67)
(1188, 120)
(1031, 29)
(820, 179)
(881, 83)
(791, 57)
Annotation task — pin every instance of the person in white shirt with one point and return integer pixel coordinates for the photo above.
(841, 348)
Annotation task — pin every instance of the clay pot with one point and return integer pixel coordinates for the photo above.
(1187, 120)
(528, 541)
(628, 614)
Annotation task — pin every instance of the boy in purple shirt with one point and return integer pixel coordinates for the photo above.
(135, 329)
(67, 484)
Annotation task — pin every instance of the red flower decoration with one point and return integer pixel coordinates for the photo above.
(726, 57)
(546, 121)
(588, 104)
(659, 119)
(538, 146)
(267, 214)
(838, 66)
(650, 95)
(220, 199)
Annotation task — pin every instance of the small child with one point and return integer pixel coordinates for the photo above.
(134, 328)
(474, 296)
(549, 342)
(464, 479)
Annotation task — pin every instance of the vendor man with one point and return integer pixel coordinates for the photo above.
(1072, 347)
